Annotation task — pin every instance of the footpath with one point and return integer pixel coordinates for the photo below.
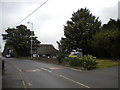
(11, 76)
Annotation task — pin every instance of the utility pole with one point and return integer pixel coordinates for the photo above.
(31, 37)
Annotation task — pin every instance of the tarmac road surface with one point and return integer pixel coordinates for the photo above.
(34, 74)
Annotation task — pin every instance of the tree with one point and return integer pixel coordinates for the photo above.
(106, 43)
(79, 30)
(19, 39)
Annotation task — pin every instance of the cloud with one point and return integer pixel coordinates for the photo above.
(22, 1)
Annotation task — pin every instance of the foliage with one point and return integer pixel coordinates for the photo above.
(74, 61)
(85, 31)
(89, 62)
(20, 39)
(78, 32)
(106, 43)
(60, 56)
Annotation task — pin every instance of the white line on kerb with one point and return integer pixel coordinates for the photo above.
(45, 69)
(74, 81)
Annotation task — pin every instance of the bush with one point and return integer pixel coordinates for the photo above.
(60, 56)
(74, 61)
(89, 62)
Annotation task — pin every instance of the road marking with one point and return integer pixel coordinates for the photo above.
(32, 70)
(75, 69)
(21, 75)
(29, 84)
(45, 69)
(23, 82)
(56, 68)
(74, 81)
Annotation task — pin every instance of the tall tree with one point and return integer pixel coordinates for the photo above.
(79, 30)
(19, 38)
(106, 43)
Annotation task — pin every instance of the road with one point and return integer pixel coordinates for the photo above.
(34, 74)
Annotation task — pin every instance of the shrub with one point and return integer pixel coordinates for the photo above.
(89, 62)
(60, 56)
(74, 61)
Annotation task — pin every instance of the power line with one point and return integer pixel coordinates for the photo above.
(31, 13)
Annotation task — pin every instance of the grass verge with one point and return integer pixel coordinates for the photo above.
(103, 63)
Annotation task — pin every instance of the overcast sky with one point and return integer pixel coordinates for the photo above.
(48, 21)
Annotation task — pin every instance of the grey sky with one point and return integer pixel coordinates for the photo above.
(48, 21)
(119, 10)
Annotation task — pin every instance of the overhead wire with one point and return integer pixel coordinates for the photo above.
(31, 13)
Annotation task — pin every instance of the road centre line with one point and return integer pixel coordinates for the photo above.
(45, 69)
(74, 81)
(75, 69)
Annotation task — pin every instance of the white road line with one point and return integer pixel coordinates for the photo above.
(45, 69)
(23, 82)
(75, 69)
(74, 81)
(21, 76)
(29, 84)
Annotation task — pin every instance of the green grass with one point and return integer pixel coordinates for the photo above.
(102, 63)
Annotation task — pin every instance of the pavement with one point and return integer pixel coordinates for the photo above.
(34, 74)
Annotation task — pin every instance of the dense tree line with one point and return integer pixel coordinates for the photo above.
(106, 43)
(84, 31)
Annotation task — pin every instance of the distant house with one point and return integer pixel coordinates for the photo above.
(46, 50)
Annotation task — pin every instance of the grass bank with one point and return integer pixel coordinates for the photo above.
(103, 63)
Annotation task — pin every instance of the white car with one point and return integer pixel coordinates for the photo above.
(8, 56)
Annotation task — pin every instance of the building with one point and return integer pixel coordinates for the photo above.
(46, 50)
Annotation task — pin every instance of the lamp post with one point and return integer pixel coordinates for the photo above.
(31, 36)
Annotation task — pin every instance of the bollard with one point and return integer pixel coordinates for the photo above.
(3, 65)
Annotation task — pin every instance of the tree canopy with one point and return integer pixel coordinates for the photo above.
(19, 39)
(84, 31)
(106, 43)
(79, 30)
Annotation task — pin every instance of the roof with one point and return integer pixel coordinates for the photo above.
(46, 49)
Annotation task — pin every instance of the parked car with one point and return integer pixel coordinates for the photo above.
(8, 56)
